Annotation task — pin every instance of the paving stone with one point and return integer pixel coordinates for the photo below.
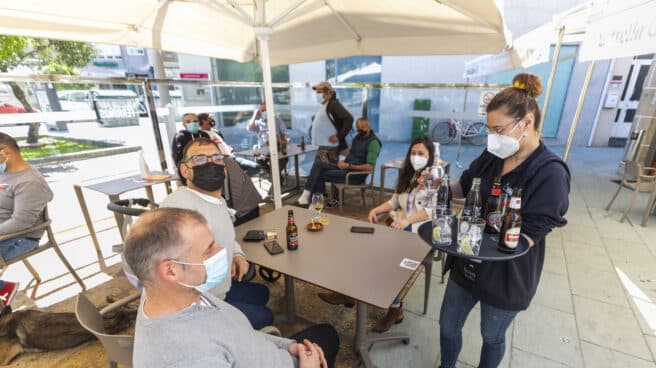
(554, 292)
(598, 356)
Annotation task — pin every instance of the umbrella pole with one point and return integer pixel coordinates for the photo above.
(263, 36)
(579, 108)
(552, 75)
(158, 134)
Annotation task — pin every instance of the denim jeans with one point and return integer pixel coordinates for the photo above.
(14, 247)
(251, 299)
(457, 304)
(250, 167)
(323, 172)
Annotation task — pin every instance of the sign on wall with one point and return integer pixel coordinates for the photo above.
(619, 28)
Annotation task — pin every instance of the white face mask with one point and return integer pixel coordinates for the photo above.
(502, 146)
(319, 97)
(418, 162)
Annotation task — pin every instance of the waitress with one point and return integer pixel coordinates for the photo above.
(515, 153)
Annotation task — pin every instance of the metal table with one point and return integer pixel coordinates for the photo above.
(370, 274)
(293, 150)
(113, 189)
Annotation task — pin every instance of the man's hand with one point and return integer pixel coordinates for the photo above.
(310, 355)
(239, 267)
(342, 165)
(373, 216)
(401, 224)
(333, 139)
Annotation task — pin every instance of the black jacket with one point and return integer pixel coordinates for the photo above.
(545, 179)
(341, 119)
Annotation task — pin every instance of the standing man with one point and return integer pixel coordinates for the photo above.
(24, 194)
(203, 167)
(331, 124)
(259, 125)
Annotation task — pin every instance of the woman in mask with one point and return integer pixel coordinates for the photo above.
(407, 208)
(517, 155)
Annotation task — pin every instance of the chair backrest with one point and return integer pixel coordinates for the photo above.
(632, 170)
(118, 347)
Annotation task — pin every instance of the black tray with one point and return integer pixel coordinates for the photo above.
(489, 251)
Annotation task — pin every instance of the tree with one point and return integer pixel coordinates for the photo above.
(45, 56)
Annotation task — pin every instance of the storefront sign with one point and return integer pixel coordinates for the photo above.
(194, 75)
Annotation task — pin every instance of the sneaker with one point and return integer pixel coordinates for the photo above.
(333, 203)
(7, 292)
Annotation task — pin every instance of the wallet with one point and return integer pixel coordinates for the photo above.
(254, 236)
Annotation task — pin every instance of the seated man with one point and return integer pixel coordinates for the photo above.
(174, 254)
(190, 132)
(207, 124)
(24, 194)
(362, 157)
(203, 166)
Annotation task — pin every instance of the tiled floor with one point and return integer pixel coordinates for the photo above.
(594, 306)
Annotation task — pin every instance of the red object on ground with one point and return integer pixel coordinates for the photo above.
(7, 292)
(7, 108)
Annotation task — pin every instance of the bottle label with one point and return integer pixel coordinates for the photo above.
(292, 240)
(512, 237)
(496, 192)
(515, 203)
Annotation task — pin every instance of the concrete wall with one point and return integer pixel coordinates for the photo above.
(607, 116)
(195, 95)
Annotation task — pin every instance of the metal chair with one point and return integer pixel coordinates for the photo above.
(117, 347)
(51, 244)
(348, 185)
(637, 179)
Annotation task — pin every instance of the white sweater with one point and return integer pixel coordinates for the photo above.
(217, 213)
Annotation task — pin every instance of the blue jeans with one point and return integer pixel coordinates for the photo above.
(323, 172)
(14, 247)
(251, 299)
(250, 167)
(457, 304)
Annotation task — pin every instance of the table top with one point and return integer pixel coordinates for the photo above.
(122, 185)
(489, 251)
(365, 267)
(292, 150)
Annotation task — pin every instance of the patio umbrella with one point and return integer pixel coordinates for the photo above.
(534, 47)
(274, 31)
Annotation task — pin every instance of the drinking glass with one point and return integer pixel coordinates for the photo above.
(318, 203)
(443, 222)
(470, 235)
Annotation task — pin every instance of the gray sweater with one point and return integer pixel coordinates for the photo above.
(218, 218)
(23, 196)
(200, 336)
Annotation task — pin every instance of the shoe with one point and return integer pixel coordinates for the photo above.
(333, 203)
(394, 316)
(7, 292)
(337, 299)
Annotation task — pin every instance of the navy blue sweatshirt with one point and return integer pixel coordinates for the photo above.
(545, 179)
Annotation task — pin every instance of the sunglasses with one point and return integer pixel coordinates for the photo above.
(203, 159)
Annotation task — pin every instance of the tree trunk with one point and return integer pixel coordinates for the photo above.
(33, 131)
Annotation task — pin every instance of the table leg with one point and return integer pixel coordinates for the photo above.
(363, 342)
(87, 219)
(298, 177)
(119, 218)
(382, 183)
(428, 270)
(150, 195)
(290, 299)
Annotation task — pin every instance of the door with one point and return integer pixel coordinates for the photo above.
(628, 103)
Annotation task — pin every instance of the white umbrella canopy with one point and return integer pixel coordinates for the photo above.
(302, 30)
(274, 31)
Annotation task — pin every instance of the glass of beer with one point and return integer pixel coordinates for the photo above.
(318, 204)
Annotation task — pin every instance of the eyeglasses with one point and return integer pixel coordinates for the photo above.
(191, 121)
(203, 159)
(501, 129)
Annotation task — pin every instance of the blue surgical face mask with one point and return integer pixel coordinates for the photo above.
(193, 127)
(3, 166)
(216, 270)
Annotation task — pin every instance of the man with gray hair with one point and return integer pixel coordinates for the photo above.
(174, 255)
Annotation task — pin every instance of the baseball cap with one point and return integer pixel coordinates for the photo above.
(323, 86)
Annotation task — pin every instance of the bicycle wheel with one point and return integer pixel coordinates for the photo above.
(443, 132)
(476, 133)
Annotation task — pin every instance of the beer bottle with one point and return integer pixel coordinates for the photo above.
(492, 209)
(473, 202)
(443, 202)
(512, 223)
(292, 231)
(302, 143)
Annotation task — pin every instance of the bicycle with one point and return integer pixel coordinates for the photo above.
(445, 132)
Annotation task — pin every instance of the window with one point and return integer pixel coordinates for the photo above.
(135, 51)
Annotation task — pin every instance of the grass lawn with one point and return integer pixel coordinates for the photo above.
(57, 147)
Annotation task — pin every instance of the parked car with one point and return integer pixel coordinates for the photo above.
(7, 108)
(76, 100)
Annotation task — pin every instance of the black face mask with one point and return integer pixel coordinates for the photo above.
(362, 133)
(209, 177)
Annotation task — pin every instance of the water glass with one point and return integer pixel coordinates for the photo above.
(470, 235)
(443, 222)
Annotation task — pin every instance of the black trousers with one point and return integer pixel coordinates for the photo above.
(323, 335)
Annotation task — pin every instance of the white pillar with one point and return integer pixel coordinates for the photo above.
(155, 59)
(579, 108)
